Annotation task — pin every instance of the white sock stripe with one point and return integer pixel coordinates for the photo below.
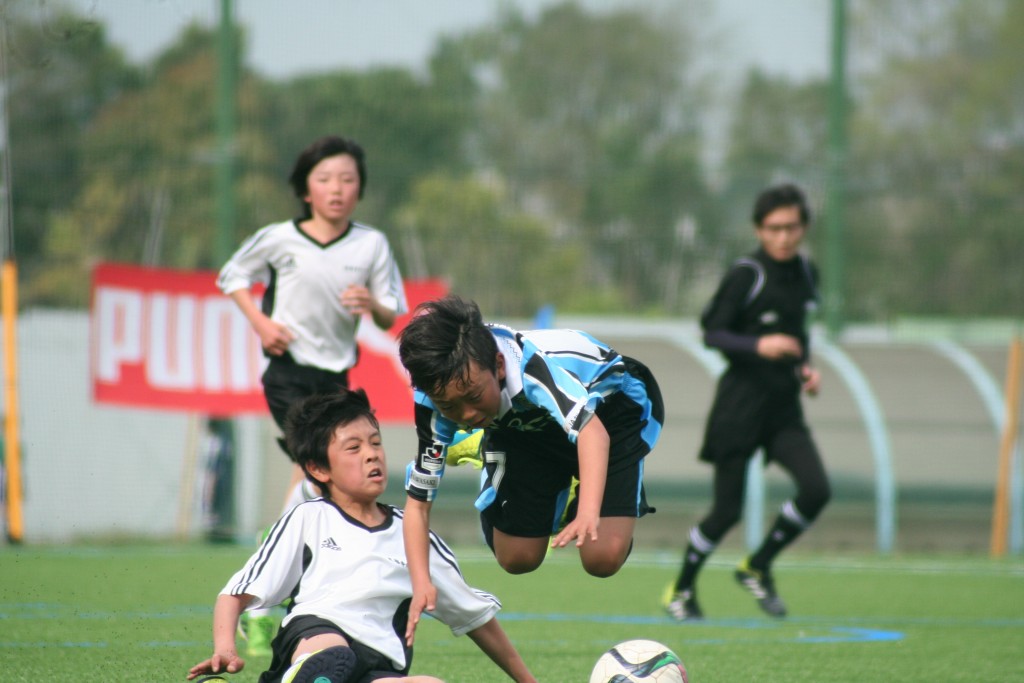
(700, 542)
(790, 512)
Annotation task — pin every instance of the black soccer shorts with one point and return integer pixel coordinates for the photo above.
(531, 471)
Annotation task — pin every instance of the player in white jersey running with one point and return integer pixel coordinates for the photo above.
(322, 273)
(342, 561)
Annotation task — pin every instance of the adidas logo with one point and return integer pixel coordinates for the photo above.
(330, 544)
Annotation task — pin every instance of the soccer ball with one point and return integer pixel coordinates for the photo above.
(639, 661)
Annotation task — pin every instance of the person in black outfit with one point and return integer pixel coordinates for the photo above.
(757, 319)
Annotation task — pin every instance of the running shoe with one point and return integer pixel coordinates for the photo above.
(762, 587)
(681, 605)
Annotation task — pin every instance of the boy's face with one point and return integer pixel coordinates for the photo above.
(333, 188)
(473, 404)
(781, 233)
(358, 471)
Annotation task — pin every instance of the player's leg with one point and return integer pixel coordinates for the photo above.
(731, 435)
(728, 484)
(624, 501)
(605, 556)
(284, 384)
(518, 554)
(794, 450)
(308, 649)
(527, 477)
(633, 419)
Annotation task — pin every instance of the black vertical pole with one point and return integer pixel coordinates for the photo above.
(221, 429)
(837, 156)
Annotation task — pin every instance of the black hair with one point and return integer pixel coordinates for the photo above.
(311, 423)
(778, 196)
(317, 151)
(441, 339)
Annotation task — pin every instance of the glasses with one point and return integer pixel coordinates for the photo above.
(782, 227)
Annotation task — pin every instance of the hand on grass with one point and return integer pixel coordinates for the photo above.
(220, 662)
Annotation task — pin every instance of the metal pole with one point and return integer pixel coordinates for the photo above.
(226, 86)
(220, 427)
(837, 156)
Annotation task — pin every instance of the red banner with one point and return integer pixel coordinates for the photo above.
(169, 339)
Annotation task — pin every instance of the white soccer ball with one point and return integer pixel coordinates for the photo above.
(639, 661)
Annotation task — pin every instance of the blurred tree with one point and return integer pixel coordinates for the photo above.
(408, 126)
(60, 72)
(148, 163)
(777, 134)
(592, 120)
(938, 159)
(463, 229)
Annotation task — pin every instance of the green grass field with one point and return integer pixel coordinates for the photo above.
(141, 613)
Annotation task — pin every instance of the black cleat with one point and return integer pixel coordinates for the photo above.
(762, 587)
(681, 605)
(330, 665)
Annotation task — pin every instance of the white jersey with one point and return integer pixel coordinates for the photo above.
(355, 576)
(305, 279)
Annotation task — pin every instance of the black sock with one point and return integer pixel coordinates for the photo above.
(783, 532)
(698, 550)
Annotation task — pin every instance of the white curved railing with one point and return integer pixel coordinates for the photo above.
(878, 438)
(686, 337)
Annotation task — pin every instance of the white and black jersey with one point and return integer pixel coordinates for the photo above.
(354, 576)
(305, 279)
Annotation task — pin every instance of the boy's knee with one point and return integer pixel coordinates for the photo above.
(519, 562)
(603, 568)
(607, 563)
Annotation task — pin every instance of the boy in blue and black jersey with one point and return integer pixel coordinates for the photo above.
(555, 405)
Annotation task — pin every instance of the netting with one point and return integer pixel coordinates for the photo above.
(597, 157)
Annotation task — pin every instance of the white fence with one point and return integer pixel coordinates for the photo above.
(896, 414)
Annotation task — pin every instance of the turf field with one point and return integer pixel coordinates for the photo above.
(141, 613)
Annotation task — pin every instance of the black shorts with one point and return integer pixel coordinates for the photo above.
(370, 664)
(285, 382)
(745, 416)
(531, 471)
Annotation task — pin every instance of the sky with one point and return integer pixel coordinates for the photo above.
(288, 37)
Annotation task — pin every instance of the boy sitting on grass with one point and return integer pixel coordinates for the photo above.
(342, 561)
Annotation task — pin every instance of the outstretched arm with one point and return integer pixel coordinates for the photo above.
(492, 639)
(416, 534)
(592, 444)
(225, 658)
